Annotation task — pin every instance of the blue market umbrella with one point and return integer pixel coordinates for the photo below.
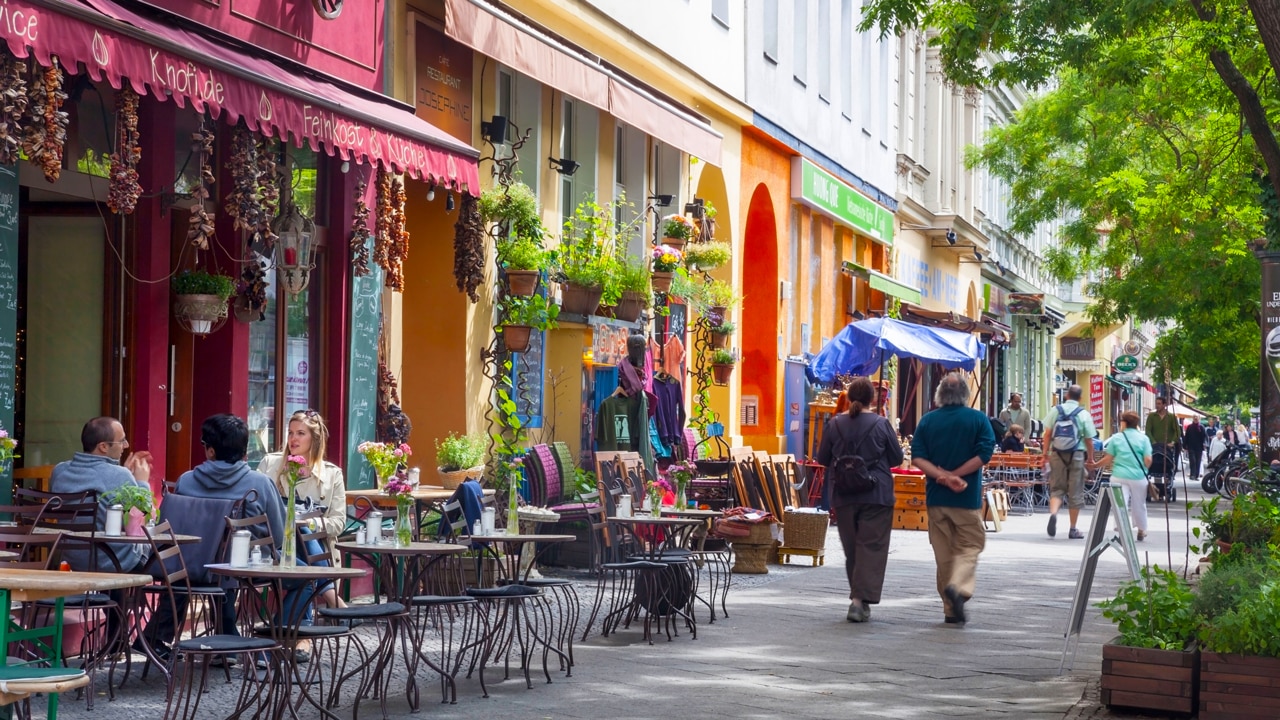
(862, 346)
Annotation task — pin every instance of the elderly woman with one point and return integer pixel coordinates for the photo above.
(1128, 454)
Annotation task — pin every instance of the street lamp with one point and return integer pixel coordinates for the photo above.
(293, 256)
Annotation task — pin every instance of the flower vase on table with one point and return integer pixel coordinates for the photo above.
(657, 490)
(406, 512)
(682, 503)
(681, 473)
(294, 465)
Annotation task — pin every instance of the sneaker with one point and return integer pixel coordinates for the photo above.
(1142, 535)
(859, 611)
(1053, 525)
(957, 603)
(1075, 534)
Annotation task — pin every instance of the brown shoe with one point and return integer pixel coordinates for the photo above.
(1142, 535)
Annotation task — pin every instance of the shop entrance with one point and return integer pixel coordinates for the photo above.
(760, 344)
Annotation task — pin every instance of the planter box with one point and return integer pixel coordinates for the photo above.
(1146, 679)
(1239, 687)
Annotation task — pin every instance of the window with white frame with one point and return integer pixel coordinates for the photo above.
(824, 49)
(666, 178)
(579, 141)
(846, 58)
(720, 11)
(770, 25)
(520, 102)
(800, 43)
(630, 184)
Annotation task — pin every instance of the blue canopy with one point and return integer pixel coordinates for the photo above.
(862, 346)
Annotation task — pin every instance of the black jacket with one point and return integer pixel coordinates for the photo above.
(875, 442)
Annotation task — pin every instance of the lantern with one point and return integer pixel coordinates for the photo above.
(293, 259)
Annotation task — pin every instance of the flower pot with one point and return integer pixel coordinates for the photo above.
(516, 337)
(720, 374)
(451, 479)
(199, 311)
(245, 311)
(719, 340)
(1238, 686)
(1149, 679)
(522, 282)
(661, 281)
(717, 314)
(133, 526)
(630, 306)
(579, 300)
(674, 243)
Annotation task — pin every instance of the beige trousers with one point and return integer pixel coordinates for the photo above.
(957, 537)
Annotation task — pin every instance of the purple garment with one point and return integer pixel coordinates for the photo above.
(631, 383)
(670, 414)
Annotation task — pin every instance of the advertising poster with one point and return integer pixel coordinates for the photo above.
(1096, 399)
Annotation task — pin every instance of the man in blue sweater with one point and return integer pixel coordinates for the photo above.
(950, 445)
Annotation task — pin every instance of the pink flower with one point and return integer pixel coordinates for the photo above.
(404, 448)
(297, 460)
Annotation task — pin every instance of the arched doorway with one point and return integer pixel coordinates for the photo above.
(711, 189)
(759, 374)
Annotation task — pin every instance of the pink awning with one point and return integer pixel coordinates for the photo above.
(491, 32)
(116, 43)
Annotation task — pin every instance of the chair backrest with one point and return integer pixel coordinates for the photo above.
(324, 555)
(266, 542)
(169, 568)
(547, 488)
(204, 518)
(32, 551)
(632, 469)
(453, 522)
(568, 471)
(168, 487)
(36, 477)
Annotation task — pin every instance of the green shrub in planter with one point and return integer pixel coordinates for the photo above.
(522, 253)
(199, 282)
(460, 452)
(1249, 627)
(1157, 611)
(1232, 576)
(532, 310)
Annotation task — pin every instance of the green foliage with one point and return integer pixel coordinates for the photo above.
(514, 205)
(678, 227)
(584, 481)
(459, 452)
(199, 282)
(532, 310)
(1249, 628)
(707, 256)
(714, 293)
(1252, 521)
(586, 255)
(1230, 577)
(633, 275)
(1157, 611)
(136, 497)
(724, 328)
(522, 252)
(723, 357)
(683, 288)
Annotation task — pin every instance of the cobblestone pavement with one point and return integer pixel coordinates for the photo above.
(787, 651)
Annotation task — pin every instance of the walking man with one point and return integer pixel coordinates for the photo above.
(1194, 437)
(1068, 445)
(1164, 431)
(1015, 414)
(950, 446)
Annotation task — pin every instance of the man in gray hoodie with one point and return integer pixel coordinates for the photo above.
(98, 468)
(225, 474)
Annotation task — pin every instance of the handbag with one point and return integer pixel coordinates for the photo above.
(1153, 494)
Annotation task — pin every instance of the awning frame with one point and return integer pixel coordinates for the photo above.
(1000, 333)
(883, 283)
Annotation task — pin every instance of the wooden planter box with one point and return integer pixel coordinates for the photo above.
(1145, 679)
(1239, 687)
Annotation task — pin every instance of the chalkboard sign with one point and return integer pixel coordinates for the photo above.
(362, 400)
(677, 320)
(8, 311)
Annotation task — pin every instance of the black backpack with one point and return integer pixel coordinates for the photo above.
(849, 472)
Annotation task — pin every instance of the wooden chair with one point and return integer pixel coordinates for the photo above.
(33, 478)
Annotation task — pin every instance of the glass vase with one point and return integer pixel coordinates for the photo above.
(681, 502)
(513, 509)
(655, 504)
(289, 556)
(406, 512)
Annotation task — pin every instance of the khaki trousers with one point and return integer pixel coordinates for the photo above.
(957, 537)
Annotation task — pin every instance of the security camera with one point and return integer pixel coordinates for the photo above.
(951, 237)
(977, 256)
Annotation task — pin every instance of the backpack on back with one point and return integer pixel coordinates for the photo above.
(849, 471)
(1066, 433)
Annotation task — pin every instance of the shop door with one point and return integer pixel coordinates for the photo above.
(65, 311)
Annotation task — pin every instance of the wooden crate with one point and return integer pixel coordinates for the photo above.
(1147, 679)
(911, 519)
(1239, 687)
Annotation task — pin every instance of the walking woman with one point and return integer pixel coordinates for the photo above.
(1128, 454)
(864, 516)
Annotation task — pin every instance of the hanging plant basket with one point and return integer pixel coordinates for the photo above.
(719, 341)
(579, 300)
(516, 337)
(246, 311)
(630, 306)
(198, 313)
(674, 242)
(522, 282)
(717, 314)
(662, 281)
(720, 374)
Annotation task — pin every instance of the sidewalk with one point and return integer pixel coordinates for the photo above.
(787, 650)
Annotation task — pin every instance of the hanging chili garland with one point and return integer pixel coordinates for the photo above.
(46, 135)
(398, 251)
(124, 190)
(360, 233)
(382, 229)
(200, 230)
(268, 193)
(468, 248)
(13, 106)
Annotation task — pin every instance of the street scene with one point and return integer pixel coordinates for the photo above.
(599, 358)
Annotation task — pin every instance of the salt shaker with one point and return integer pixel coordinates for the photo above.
(115, 517)
(360, 536)
(240, 549)
(477, 528)
(255, 555)
(415, 476)
(373, 527)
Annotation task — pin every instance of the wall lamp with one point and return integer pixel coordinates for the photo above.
(431, 192)
(564, 166)
(495, 131)
(662, 200)
(696, 208)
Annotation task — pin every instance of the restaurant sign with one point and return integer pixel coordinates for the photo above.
(1077, 348)
(825, 193)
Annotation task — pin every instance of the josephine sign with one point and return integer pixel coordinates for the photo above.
(220, 82)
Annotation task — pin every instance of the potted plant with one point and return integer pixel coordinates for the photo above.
(134, 497)
(722, 362)
(720, 335)
(666, 260)
(459, 458)
(677, 230)
(515, 207)
(1253, 521)
(1153, 663)
(1241, 650)
(707, 256)
(633, 281)
(715, 299)
(683, 289)
(585, 261)
(523, 260)
(201, 298)
(521, 315)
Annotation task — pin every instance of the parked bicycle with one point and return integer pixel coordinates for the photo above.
(1230, 461)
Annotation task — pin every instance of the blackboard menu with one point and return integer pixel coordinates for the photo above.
(362, 400)
(8, 310)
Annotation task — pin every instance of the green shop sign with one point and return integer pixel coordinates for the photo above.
(1126, 363)
(823, 192)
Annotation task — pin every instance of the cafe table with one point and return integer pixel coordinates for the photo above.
(29, 586)
(285, 630)
(665, 540)
(716, 562)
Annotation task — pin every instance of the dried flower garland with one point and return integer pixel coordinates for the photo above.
(242, 203)
(268, 193)
(468, 248)
(200, 230)
(360, 233)
(13, 105)
(398, 250)
(251, 290)
(382, 233)
(46, 135)
(124, 190)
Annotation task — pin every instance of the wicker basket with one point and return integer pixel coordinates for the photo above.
(751, 553)
(452, 479)
(805, 530)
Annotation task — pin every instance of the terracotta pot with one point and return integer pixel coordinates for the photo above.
(662, 281)
(719, 340)
(674, 243)
(630, 306)
(717, 314)
(720, 374)
(516, 337)
(134, 523)
(579, 300)
(522, 282)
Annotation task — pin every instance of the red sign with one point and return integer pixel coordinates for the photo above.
(443, 93)
(1096, 399)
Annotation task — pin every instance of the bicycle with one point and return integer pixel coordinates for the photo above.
(1255, 479)
(1229, 461)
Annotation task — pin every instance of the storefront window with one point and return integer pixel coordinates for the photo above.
(93, 126)
(579, 139)
(520, 101)
(288, 381)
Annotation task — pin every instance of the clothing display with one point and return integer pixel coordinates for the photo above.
(669, 414)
